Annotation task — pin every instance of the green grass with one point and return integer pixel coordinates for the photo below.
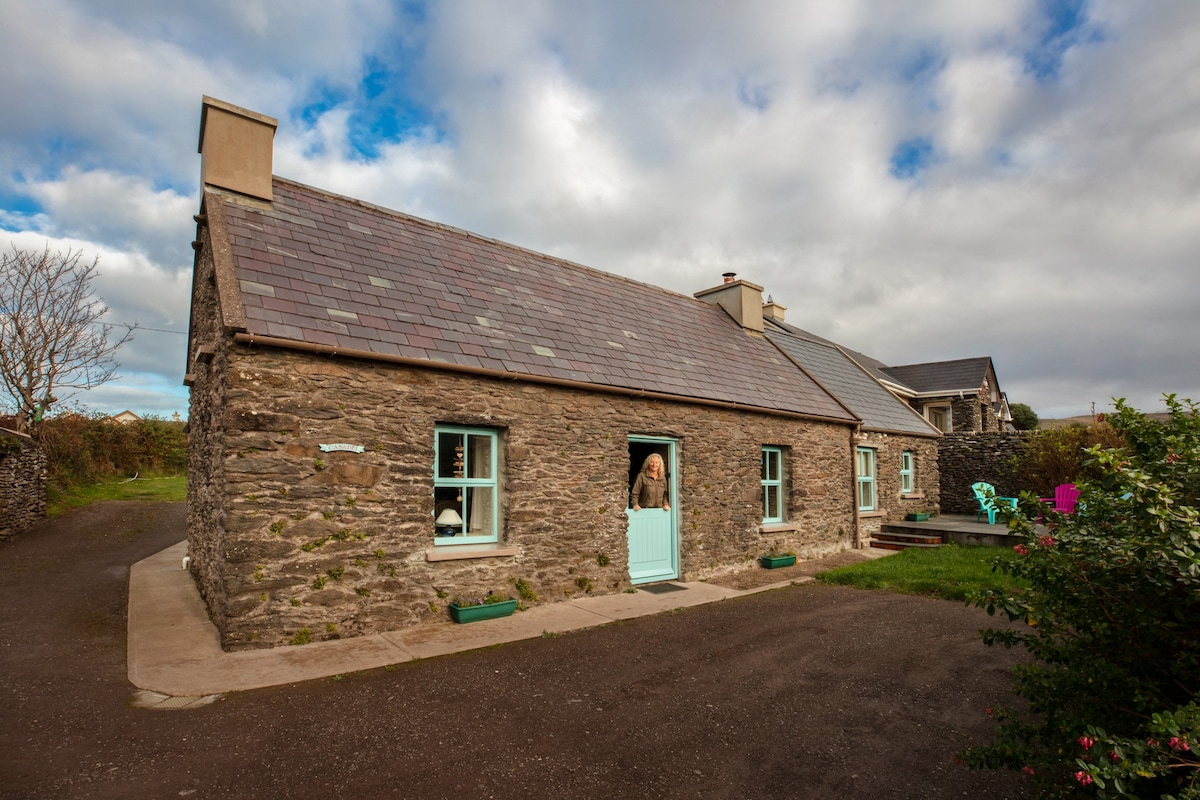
(952, 572)
(154, 488)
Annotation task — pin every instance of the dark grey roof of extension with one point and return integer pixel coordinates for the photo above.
(333, 272)
(879, 409)
(938, 376)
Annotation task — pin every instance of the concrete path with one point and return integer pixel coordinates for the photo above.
(175, 655)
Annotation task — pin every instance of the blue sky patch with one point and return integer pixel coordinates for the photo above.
(911, 157)
(1063, 25)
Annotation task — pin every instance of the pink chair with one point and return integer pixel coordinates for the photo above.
(1066, 497)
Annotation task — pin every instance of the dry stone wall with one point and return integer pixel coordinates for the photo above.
(967, 458)
(292, 544)
(22, 483)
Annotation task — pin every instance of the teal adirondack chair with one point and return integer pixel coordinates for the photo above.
(985, 493)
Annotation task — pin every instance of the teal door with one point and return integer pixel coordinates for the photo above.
(653, 543)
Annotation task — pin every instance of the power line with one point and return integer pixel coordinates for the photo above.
(156, 330)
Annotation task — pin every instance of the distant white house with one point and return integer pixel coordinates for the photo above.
(125, 417)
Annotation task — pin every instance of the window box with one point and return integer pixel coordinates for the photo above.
(916, 517)
(777, 560)
(464, 614)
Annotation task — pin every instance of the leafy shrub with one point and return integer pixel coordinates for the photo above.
(84, 448)
(1058, 455)
(1112, 622)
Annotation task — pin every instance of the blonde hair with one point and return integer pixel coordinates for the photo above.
(662, 465)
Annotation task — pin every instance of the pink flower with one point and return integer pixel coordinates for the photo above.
(1178, 743)
(1173, 457)
(1084, 778)
(989, 711)
(1028, 770)
(1046, 541)
(1086, 742)
(1020, 549)
(1152, 742)
(1112, 755)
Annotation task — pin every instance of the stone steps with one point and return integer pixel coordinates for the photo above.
(891, 539)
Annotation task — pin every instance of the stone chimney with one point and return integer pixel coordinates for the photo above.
(742, 300)
(772, 310)
(235, 148)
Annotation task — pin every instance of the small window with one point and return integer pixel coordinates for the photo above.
(772, 484)
(866, 479)
(940, 417)
(464, 486)
(908, 482)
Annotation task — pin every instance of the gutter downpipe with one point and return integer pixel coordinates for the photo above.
(855, 436)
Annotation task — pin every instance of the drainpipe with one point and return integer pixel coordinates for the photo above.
(855, 433)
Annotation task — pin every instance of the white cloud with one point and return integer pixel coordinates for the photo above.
(1053, 229)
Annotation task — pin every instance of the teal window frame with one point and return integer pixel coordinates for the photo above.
(908, 484)
(483, 488)
(772, 483)
(865, 477)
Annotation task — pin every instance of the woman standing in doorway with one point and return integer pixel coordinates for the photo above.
(650, 488)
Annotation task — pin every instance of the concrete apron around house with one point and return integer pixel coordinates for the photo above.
(174, 651)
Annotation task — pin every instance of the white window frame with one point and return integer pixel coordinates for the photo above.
(864, 473)
(468, 485)
(772, 484)
(943, 410)
(908, 475)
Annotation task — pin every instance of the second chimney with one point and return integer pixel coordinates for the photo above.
(742, 300)
(236, 148)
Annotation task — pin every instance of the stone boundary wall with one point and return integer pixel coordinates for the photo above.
(967, 458)
(22, 483)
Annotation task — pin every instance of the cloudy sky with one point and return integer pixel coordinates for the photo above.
(920, 181)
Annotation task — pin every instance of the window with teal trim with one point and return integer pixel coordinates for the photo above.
(907, 483)
(772, 484)
(866, 479)
(465, 503)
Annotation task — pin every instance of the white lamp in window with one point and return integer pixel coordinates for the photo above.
(448, 522)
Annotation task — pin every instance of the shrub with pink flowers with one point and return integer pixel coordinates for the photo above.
(1108, 703)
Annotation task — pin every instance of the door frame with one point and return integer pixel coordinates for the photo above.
(668, 448)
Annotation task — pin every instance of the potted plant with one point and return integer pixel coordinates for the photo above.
(490, 606)
(775, 560)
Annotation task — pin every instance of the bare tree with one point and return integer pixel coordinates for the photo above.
(51, 336)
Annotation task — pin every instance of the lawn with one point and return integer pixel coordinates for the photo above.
(953, 572)
(151, 488)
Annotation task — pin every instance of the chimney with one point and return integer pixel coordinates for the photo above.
(772, 310)
(742, 300)
(235, 148)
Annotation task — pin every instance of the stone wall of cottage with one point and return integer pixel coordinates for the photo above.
(22, 483)
(206, 450)
(891, 504)
(967, 458)
(293, 544)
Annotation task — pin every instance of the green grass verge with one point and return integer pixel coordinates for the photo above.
(953, 572)
(154, 488)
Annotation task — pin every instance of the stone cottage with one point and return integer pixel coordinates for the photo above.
(387, 412)
(959, 396)
(896, 469)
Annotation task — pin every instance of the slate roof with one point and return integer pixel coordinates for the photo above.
(879, 409)
(965, 374)
(326, 270)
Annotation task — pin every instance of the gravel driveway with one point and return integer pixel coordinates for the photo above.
(809, 691)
